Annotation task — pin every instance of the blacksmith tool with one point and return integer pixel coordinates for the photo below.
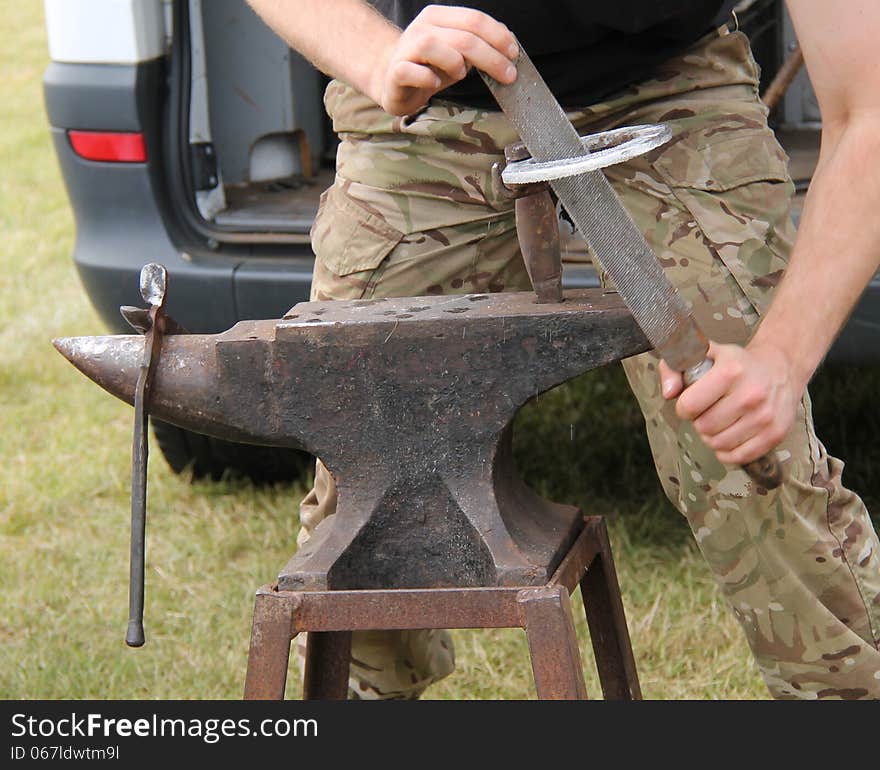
(151, 323)
(559, 155)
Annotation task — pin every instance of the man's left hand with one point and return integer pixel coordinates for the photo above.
(744, 405)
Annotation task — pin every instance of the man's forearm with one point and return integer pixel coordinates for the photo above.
(346, 39)
(838, 245)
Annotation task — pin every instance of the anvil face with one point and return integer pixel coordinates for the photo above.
(408, 403)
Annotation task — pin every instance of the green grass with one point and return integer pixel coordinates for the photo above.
(64, 478)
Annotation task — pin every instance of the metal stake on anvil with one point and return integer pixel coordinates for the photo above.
(537, 228)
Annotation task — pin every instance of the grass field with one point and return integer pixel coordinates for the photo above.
(64, 475)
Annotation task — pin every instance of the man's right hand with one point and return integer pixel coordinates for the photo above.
(436, 50)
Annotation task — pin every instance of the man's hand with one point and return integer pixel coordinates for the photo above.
(436, 50)
(744, 405)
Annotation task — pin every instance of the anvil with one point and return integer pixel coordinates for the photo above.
(409, 402)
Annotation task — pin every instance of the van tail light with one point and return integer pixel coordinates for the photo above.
(110, 146)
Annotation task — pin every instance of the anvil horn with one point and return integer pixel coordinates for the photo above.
(186, 389)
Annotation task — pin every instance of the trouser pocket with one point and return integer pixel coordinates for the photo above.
(734, 183)
(350, 243)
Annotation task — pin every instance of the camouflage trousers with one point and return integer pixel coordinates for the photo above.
(414, 211)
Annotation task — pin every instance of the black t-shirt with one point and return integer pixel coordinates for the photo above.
(584, 49)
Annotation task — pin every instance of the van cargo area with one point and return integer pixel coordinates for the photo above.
(261, 148)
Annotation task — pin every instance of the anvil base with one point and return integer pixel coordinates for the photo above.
(424, 535)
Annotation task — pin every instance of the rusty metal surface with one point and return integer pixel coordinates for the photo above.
(404, 608)
(607, 622)
(270, 645)
(537, 229)
(578, 558)
(408, 402)
(328, 654)
(553, 644)
(537, 226)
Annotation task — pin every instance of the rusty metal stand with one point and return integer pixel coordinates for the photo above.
(434, 527)
(543, 611)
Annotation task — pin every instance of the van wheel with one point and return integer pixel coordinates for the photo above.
(215, 458)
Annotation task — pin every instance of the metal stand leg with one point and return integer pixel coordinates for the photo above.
(270, 647)
(553, 646)
(328, 655)
(607, 622)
